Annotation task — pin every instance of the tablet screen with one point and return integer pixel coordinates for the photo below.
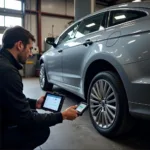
(52, 102)
(81, 107)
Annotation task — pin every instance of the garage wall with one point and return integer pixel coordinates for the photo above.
(31, 24)
(99, 7)
(31, 4)
(58, 23)
(30, 19)
(63, 7)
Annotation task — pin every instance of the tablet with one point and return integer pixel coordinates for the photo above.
(53, 102)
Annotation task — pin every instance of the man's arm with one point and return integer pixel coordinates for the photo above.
(32, 103)
(19, 106)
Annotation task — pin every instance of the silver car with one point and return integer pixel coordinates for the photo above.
(104, 58)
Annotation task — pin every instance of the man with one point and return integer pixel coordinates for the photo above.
(22, 126)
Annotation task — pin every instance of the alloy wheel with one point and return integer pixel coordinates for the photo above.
(42, 77)
(103, 104)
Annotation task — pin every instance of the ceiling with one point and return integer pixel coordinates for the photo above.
(111, 2)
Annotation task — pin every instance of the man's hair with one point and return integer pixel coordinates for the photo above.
(14, 34)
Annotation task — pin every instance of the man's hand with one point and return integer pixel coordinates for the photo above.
(39, 102)
(70, 113)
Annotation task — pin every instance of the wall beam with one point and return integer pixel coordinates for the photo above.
(39, 32)
(50, 14)
(57, 15)
(31, 11)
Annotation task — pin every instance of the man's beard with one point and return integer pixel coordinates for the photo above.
(21, 60)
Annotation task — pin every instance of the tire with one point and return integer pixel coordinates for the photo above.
(109, 112)
(43, 79)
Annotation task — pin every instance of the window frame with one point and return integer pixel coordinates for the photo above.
(5, 4)
(3, 21)
(7, 15)
(66, 31)
(130, 9)
(1, 39)
(13, 13)
(105, 19)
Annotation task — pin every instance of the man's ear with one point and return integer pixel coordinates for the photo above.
(20, 45)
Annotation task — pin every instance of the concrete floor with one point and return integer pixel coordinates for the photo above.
(80, 133)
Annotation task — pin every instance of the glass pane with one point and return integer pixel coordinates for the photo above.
(90, 25)
(1, 35)
(12, 21)
(13, 4)
(121, 16)
(2, 3)
(69, 34)
(1, 20)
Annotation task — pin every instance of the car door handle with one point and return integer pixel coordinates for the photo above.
(88, 42)
(60, 51)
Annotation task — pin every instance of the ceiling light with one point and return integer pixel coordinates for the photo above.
(90, 25)
(136, 1)
(120, 17)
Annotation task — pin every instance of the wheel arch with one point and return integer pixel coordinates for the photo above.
(102, 64)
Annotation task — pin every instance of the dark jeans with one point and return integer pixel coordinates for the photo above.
(15, 138)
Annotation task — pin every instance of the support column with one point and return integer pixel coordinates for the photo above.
(39, 34)
(83, 8)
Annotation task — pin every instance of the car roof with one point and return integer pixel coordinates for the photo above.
(145, 4)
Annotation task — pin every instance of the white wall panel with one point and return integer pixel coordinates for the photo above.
(59, 26)
(70, 7)
(65, 7)
(53, 6)
(31, 4)
(99, 7)
(31, 24)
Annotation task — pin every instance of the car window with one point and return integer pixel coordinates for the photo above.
(69, 34)
(121, 16)
(92, 24)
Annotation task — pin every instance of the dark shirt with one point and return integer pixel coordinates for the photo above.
(15, 108)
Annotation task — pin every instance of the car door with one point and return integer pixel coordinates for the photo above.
(54, 56)
(54, 64)
(78, 49)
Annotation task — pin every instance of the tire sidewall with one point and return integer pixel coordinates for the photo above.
(42, 67)
(111, 79)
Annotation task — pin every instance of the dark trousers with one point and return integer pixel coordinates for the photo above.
(15, 138)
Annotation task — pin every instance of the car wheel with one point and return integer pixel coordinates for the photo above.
(43, 79)
(108, 105)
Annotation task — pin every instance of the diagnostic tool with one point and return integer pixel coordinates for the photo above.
(81, 108)
(53, 102)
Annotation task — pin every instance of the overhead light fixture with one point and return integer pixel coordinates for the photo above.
(90, 25)
(124, 5)
(137, 0)
(120, 17)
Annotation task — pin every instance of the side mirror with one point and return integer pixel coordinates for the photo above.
(51, 41)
